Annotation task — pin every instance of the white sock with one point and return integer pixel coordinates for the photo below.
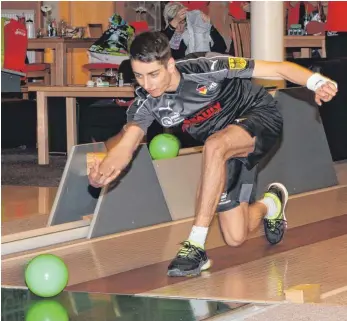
(198, 235)
(270, 205)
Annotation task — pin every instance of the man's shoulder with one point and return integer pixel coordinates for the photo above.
(193, 55)
(204, 63)
(190, 59)
(193, 64)
(202, 56)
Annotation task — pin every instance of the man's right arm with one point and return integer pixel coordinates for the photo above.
(114, 140)
(139, 118)
(120, 148)
(127, 141)
(138, 115)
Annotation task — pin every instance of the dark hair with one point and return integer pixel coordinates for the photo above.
(151, 46)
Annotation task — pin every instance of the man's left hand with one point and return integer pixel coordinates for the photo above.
(325, 93)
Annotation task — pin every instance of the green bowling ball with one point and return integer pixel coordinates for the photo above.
(46, 275)
(164, 146)
(46, 310)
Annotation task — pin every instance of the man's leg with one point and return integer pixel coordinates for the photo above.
(237, 218)
(240, 213)
(235, 214)
(238, 222)
(230, 142)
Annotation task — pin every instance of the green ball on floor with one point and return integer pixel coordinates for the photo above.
(164, 146)
(46, 275)
(46, 310)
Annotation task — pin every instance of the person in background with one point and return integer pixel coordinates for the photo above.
(175, 18)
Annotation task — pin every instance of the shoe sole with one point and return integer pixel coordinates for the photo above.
(204, 266)
(286, 197)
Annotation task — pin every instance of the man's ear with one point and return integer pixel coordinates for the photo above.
(171, 65)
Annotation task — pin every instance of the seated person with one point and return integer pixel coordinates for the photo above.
(175, 15)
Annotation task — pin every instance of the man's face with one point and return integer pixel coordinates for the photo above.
(154, 77)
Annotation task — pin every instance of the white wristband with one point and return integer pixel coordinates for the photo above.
(316, 81)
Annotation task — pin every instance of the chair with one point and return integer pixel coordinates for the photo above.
(16, 44)
(241, 36)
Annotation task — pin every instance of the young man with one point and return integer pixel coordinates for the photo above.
(212, 98)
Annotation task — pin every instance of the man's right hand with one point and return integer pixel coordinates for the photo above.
(101, 173)
(106, 171)
(94, 174)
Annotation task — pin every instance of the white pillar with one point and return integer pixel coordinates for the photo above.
(267, 23)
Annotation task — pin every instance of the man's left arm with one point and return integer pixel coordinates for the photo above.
(324, 88)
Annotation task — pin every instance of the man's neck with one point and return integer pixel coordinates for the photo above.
(175, 81)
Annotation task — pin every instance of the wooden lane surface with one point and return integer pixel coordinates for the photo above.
(334, 203)
(265, 279)
(253, 272)
(336, 296)
(103, 257)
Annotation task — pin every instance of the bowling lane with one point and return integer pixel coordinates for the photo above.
(265, 279)
(91, 260)
(256, 270)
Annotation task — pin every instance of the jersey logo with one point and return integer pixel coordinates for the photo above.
(223, 199)
(168, 117)
(201, 89)
(202, 116)
(237, 63)
(212, 86)
(171, 120)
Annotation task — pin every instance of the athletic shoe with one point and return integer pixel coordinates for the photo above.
(190, 260)
(276, 224)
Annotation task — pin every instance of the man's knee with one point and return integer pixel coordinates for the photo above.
(234, 225)
(214, 147)
(217, 146)
(222, 144)
(234, 239)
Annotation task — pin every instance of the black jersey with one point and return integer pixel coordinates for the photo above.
(214, 91)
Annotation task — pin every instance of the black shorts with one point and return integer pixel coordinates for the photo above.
(241, 173)
(266, 125)
(240, 185)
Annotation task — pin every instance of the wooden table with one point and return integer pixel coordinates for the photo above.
(70, 92)
(306, 43)
(60, 47)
